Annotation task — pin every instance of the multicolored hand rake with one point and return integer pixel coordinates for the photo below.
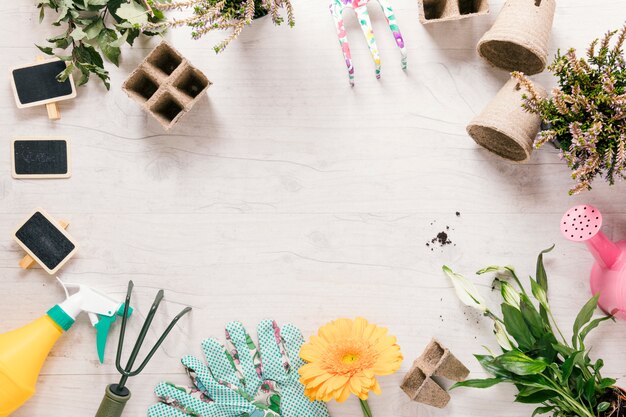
(608, 276)
(360, 8)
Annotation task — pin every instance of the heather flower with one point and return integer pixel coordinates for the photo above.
(586, 115)
(210, 15)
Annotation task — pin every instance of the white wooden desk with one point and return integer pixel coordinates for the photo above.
(287, 194)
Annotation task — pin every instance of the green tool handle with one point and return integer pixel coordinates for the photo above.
(112, 405)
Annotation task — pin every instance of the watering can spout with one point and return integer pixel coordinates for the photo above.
(582, 224)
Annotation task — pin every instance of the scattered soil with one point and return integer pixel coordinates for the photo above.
(442, 238)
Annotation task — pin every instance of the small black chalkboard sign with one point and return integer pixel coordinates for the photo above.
(37, 84)
(40, 158)
(47, 243)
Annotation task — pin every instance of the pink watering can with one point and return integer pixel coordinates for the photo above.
(608, 275)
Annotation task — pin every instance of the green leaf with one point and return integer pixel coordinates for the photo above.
(569, 364)
(525, 391)
(64, 75)
(564, 350)
(133, 13)
(606, 383)
(132, 35)
(603, 406)
(491, 365)
(120, 41)
(113, 5)
(478, 383)
(541, 277)
(544, 348)
(93, 29)
(590, 390)
(78, 34)
(531, 317)
(87, 54)
(598, 365)
(516, 327)
(585, 314)
(158, 15)
(45, 49)
(536, 398)
(580, 384)
(112, 53)
(521, 364)
(61, 41)
(542, 410)
(594, 323)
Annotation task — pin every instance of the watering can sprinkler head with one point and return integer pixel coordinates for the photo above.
(583, 224)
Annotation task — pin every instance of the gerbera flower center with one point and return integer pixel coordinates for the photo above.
(349, 357)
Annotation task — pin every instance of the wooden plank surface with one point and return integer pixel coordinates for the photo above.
(287, 194)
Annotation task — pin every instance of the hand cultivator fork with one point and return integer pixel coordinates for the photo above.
(360, 8)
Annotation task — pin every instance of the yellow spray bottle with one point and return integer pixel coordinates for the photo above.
(23, 351)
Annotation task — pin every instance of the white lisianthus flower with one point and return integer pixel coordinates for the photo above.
(466, 291)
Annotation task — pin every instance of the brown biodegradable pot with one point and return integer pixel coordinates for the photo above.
(431, 11)
(518, 40)
(166, 85)
(504, 127)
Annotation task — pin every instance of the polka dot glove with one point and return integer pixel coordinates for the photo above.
(241, 380)
(229, 385)
(280, 357)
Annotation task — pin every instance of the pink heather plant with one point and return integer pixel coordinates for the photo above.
(586, 115)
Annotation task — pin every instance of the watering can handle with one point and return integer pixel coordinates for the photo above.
(112, 404)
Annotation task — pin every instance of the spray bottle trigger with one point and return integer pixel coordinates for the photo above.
(120, 311)
(102, 329)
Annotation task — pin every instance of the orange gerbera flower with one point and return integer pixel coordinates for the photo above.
(345, 357)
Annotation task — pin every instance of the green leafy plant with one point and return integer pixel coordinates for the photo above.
(93, 28)
(209, 15)
(556, 374)
(586, 115)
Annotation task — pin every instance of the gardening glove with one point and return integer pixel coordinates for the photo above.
(280, 357)
(238, 368)
(232, 385)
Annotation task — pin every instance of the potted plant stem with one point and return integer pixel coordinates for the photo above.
(556, 374)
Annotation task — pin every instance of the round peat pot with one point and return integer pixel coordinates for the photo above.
(504, 127)
(518, 40)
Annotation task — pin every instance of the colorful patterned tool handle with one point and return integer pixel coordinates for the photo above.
(360, 8)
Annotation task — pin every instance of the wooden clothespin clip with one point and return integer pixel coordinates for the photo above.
(54, 113)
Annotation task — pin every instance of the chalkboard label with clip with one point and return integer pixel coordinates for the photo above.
(45, 241)
(37, 84)
(40, 157)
